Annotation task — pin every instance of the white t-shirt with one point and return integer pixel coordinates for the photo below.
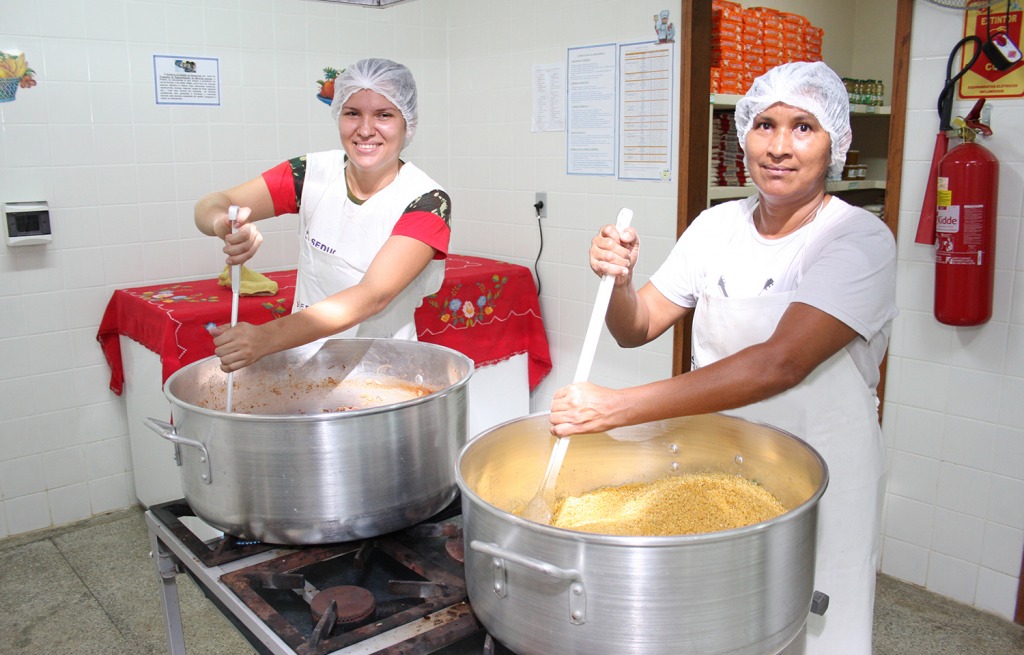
(843, 263)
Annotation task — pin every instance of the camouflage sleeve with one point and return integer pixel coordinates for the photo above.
(435, 202)
(298, 166)
(428, 219)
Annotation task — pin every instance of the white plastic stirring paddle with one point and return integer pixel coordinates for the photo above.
(236, 284)
(539, 507)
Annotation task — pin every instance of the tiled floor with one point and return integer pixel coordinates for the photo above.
(90, 589)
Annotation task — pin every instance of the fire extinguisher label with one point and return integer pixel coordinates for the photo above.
(960, 239)
(958, 258)
(947, 219)
(945, 198)
(974, 227)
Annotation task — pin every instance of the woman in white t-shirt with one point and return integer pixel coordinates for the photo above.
(793, 295)
(373, 229)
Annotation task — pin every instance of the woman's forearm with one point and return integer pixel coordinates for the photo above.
(626, 320)
(208, 208)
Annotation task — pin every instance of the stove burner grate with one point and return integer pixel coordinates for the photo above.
(401, 578)
(415, 577)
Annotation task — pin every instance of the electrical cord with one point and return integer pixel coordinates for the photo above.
(539, 205)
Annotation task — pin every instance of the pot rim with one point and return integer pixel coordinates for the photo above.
(325, 416)
(649, 542)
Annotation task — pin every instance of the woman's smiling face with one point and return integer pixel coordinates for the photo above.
(372, 131)
(787, 152)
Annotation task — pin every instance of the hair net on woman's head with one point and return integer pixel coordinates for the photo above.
(392, 80)
(811, 86)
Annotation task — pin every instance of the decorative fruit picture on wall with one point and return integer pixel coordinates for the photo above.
(14, 74)
(326, 92)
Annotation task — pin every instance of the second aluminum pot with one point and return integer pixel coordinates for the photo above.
(292, 469)
(541, 590)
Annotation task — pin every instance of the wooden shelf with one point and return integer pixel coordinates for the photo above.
(724, 100)
(728, 101)
(836, 186)
(730, 192)
(868, 110)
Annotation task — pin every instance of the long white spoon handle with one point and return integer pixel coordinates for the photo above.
(604, 295)
(236, 285)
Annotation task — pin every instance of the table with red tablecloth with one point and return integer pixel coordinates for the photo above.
(489, 311)
(171, 319)
(486, 309)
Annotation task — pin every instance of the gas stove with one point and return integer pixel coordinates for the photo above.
(402, 593)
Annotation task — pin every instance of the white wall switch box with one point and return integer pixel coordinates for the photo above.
(27, 223)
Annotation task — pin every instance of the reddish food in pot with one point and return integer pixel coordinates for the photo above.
(300, 395)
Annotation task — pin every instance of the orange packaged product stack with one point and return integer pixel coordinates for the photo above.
(753, 48)
(793, 35)
(812, 42)
(727, 67)
(746, 43)
(773, 40)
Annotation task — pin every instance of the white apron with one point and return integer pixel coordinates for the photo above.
(338, 240)
(833, 411)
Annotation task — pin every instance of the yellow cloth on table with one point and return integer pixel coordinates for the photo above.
(252, 283)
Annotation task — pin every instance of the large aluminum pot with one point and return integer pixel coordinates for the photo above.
(542, 590)
(285, 468)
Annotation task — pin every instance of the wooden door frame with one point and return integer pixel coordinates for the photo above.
(694, 119)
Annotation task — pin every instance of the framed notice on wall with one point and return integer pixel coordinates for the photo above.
(999, 70)
(590, 110)
(186, 80)
(645, 111)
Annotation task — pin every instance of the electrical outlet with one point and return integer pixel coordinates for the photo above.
(541, 204)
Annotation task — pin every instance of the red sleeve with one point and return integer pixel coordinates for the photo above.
(428, 228)
(281, 182)
(427, 219)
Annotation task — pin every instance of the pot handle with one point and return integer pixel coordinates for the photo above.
(167, 431)
(577, 590)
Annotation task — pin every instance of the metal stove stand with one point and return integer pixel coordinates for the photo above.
(411, 589)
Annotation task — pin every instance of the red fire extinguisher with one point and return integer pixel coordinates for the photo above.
(965, 227)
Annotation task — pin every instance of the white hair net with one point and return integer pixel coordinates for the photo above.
(392, 80)
(811, 86)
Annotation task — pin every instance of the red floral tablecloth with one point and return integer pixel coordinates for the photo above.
(486, 309)
(171, 319)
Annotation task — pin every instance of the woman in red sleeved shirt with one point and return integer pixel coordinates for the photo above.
(374, 230)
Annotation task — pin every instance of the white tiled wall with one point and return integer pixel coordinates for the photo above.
(121, 175)
(953, 420)
(498, 164)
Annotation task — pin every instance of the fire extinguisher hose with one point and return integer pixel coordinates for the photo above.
(926, 222)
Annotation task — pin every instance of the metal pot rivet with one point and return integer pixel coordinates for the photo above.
(577, 615)
(739, 459)
(674, 467)
(673, 448)
(577, 589)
